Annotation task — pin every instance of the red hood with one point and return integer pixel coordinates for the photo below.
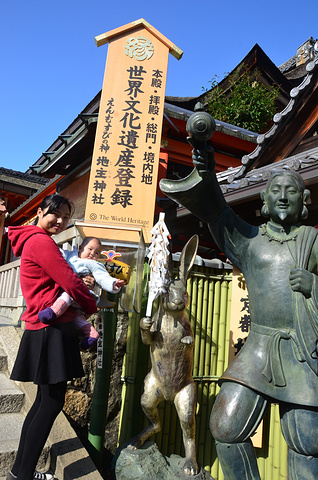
(19, 235)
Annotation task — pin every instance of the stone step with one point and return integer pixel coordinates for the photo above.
(10, 430)
(3, 361)
(11, 398)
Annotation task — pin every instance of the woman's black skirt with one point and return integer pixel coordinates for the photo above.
(49, 355)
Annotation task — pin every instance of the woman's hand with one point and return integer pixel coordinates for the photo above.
(89, 281)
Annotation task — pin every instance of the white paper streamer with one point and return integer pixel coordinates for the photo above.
(158, 256)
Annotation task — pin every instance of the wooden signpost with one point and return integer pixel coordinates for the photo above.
(123, 178)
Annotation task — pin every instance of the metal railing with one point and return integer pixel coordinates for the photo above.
(12, 303)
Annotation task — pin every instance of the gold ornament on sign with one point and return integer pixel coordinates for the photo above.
(140, 48)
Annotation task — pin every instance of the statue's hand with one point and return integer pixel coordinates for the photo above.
(146, 323)
(202, 156)
(301, 281)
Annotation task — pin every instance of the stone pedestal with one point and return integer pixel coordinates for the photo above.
(148, 463)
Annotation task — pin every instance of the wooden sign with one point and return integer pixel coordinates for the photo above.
(240, 324)
(123, 178)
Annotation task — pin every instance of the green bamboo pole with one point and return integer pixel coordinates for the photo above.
(136, 354)
(202, 385)
(208, 451)
(215, 328)
(276, 452)
(122, 426)
(202, 319)
(199, 352)
(203, 422)
(197, 331)
(214, 369)
(269, 459)
(222, 330)
(228, 319)
(262, 453)
(130, 374)
(221, 334)
(210, 458)
(189, 311)
(126, 392)
(208, 340)
(141, 367)
(129, 399)
(198, 422)
(96, 432)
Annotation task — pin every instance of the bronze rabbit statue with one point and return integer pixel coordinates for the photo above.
(170, 337)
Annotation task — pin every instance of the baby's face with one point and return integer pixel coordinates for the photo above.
(92, 250)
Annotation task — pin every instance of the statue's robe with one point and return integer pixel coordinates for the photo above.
(279, 358)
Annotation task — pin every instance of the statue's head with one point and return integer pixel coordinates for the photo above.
(284, 198)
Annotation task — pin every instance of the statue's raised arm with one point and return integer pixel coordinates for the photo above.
(192, 191)
(201, 194)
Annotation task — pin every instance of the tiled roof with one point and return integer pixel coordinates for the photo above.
(14, 174)
(291, 63)
(299, 163)
(48, 182)
(250, 160)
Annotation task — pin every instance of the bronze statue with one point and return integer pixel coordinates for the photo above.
(279, 361)
(170, 337)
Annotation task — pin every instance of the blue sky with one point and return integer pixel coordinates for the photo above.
(51, 67)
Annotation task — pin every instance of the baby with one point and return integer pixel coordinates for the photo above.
(84, 262)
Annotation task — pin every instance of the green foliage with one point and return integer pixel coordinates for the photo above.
(248, 103)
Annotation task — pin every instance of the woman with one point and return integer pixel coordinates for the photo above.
(48, 355)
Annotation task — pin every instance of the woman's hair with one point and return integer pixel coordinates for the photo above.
(53, 202)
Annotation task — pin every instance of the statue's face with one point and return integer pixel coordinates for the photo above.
(284, 200)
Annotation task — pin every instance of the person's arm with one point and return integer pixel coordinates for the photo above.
(48, 256)
(72, 258)
(201, 194)
(103, 278)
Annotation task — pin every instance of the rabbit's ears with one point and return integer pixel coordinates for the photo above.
(187, 257)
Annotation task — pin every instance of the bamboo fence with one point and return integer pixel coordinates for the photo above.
(209, 312)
